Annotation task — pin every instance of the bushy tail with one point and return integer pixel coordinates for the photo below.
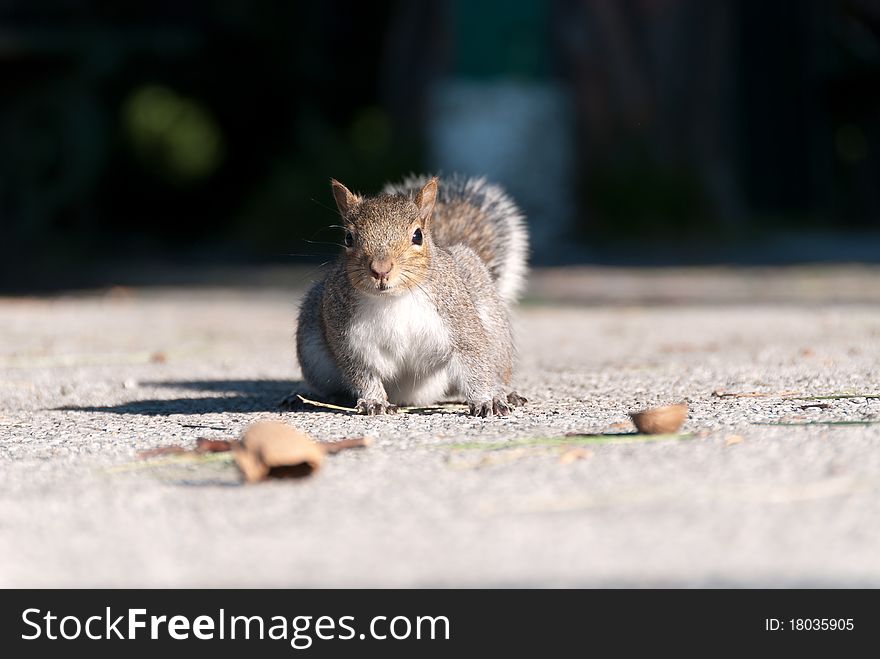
(481, 215)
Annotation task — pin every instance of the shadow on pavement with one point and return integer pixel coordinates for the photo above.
(237, 396)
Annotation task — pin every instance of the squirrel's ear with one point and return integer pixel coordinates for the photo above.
(345, 200)
(426, 198)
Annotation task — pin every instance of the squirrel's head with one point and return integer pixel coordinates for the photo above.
(387, 238)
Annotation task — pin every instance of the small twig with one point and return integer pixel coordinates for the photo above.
(401, 410)
(343, 444)
(718, 393)
(814, 423)
(205, 445)
(843, 396)
(327, 405)
(188, 457)
(202, 426)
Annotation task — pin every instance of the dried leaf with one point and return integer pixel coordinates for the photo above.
(730, 440)
(269, 449)
(574, 454)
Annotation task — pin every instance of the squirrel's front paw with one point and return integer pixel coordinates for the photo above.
(373, 407)
(496, 406)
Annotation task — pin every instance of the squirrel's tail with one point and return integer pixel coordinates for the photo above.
(482, 216)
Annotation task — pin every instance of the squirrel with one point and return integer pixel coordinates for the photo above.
(416, 308)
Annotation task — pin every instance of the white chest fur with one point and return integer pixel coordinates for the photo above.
(406, 343)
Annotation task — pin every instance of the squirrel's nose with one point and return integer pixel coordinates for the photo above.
(381, 268)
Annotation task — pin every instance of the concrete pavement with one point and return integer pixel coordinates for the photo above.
(768, 491)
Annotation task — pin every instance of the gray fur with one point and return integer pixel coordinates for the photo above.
(509, 250)
(453, 319)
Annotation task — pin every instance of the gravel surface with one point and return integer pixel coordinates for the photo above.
(764, 491)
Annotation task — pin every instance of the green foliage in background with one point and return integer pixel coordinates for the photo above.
(174, 136)
(293, 209)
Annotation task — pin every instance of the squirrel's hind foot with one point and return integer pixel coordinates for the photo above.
(375, 407)
(515, 400)
(495, 407)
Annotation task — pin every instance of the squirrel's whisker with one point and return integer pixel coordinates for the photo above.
(322, 205)
(322, 242)
(410, 279)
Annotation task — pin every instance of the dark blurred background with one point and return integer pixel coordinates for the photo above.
(656, 131)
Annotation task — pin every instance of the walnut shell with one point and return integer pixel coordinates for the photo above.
(660, 420)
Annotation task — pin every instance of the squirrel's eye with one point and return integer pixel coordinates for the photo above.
(417, 237)
(349, 239)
